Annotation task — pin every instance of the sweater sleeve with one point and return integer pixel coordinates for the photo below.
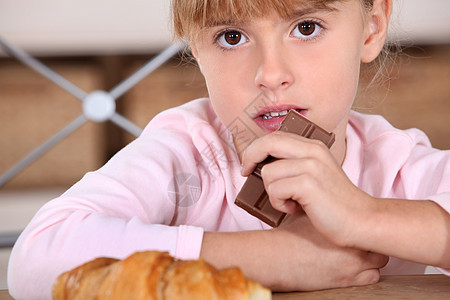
(426, 175)
(119, 209)
(391, 163)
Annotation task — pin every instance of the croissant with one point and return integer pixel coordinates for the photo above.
(157, 276)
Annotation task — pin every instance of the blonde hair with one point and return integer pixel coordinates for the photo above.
(189, 17)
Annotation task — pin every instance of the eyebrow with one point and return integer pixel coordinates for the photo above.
(309, 10)
(297, 13)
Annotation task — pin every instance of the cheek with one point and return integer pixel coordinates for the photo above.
(344, 77)
(335, 81)
(222, 94)
(231, 97)
(221, 91)
(225, 87)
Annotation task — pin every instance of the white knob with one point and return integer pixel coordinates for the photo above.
(99, 106)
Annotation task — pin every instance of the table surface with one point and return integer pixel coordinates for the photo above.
(393, 287)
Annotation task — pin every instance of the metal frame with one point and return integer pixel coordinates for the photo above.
(7, 240)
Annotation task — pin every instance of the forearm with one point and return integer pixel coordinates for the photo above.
(54, 243)
(416, 230)
(245, 249)
(292, 257)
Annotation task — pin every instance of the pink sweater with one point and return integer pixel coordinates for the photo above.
(180, 178)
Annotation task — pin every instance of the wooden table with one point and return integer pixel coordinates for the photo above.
(390, 287)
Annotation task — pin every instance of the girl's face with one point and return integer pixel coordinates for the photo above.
(257, 69)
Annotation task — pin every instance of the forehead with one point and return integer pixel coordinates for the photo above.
(191, 17)
(224, 11)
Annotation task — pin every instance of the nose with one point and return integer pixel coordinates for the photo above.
(274, 71)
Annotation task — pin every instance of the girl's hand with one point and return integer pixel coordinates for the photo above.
(312, 262)
(289, 259)
(308, 176)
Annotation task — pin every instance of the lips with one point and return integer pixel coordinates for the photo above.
(270, 118)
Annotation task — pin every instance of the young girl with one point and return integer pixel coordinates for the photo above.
(173, 188)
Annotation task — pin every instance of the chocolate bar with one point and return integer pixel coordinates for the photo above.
(253, 197)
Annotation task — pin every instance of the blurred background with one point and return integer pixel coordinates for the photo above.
(96, 44)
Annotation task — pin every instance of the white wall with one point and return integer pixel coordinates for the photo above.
(85, 26)
(421, 22)
(53, 27)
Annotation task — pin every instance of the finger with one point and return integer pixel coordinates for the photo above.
(284, 168)
(370, 271)
(277, 144)
(286, 191)
(366, 277)
(290, 207)
(280, 145)
(376, 260)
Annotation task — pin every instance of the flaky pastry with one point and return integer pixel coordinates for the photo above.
(155, 275)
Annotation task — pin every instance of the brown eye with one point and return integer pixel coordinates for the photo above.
(233, 37)
(307, 28)
(230, 39)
